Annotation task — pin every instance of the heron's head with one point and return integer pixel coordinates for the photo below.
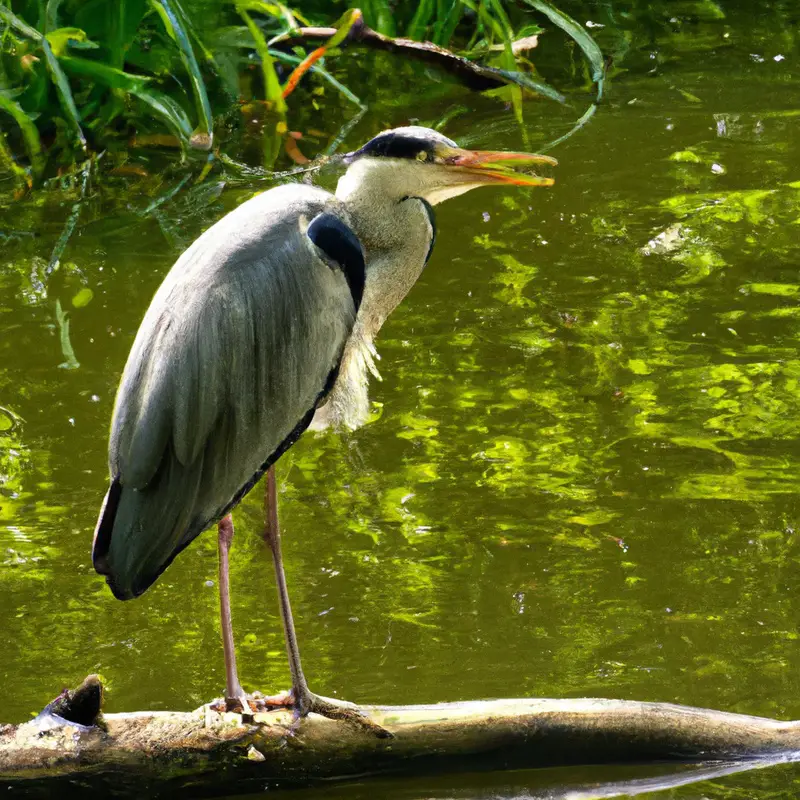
(420, 162)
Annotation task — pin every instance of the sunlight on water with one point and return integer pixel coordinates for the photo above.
(582, 476)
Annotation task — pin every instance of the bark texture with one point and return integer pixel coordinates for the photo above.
(73, 748)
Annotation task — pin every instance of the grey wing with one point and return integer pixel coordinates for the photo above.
(239, 346)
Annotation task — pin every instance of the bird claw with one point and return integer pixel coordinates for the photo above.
(255, 703)
(240, 704)
(337, 710)
(307, 703)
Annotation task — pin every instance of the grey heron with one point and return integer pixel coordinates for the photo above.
(263, 325)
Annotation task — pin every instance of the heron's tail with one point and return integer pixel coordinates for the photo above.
(138, 534)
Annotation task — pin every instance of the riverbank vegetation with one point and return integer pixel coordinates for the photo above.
(81, 78)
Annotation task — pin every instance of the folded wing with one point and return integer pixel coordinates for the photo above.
(239, 345)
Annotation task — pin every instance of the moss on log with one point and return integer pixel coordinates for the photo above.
(72, 745)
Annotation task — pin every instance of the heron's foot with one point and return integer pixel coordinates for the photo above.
(251, 704)
(240, 703)
(301, 704)
(306, 702)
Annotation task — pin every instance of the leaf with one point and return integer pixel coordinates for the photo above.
(411, 619)
(419, 22)
(109, 76)
(639, 367)
(597, 517)
(270, 9)
(174, 22)
(169, 110)
(588, 45)
(64, 92)
(778, 289)
(692, 98)
(51, 15)
(83, 298)
(30, 134)
(61, 39)
(343, 27)
(685, 157)
(19, 25)
(272, 86)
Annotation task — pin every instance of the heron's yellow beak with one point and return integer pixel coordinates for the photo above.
(488, 166)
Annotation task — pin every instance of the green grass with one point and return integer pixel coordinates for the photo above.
(88, 76)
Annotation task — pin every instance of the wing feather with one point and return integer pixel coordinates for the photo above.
(231, 360)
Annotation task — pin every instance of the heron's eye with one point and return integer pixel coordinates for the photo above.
(422, 156)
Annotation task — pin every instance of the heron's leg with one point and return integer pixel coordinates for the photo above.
(272, 535)
(303, 699)
(234, 694)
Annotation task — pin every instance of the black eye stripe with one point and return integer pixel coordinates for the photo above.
(394, 145)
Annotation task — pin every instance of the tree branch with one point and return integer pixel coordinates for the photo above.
(474, 76)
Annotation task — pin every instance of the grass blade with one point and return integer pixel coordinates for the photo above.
(447, 22)
(72, 221)
(7, 160)
(19, 25)
(166, 197)
(272, 86)
(574, 129)
(419, 22)
(51, 15)
(380, 16)
(172, 17)
(125, 18)
(501, 27)
(169, 110)
(137, 85)
(279, 55)
(343, 28)
(101, 73)
(344, 132)
(65, 98)
(588, 45)
(30, 134)
(540, 87)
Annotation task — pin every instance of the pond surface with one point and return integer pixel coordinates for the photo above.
(582, 476)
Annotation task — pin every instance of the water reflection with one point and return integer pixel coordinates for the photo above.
(582, 478)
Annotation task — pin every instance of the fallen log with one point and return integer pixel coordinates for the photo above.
(71, 745)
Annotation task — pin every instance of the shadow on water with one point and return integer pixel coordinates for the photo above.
(583, 783)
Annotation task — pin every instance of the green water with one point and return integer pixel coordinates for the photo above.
(582, 477)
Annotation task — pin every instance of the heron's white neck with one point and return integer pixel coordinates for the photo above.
(395, 232)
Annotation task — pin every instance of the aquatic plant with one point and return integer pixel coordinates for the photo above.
(88, 77)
